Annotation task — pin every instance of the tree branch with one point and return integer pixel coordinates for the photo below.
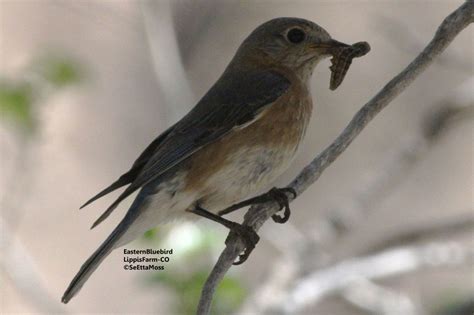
(391, 262)
(257, 215)
(375, 299)
(447, 227)
(167, 63)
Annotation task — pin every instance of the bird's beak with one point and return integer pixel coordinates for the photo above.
(331, 47)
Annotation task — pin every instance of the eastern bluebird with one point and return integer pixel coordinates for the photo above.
(239, 138)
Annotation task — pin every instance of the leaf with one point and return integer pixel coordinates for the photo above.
(150, 234)
(59, 71)
(16, 104)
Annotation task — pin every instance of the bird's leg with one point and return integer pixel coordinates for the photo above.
(245, 232)
(275, 194)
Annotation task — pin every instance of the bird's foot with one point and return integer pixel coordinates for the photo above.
(248, 236)
(280, 195)
(245, 232)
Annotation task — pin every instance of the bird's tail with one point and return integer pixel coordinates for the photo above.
(97, 257)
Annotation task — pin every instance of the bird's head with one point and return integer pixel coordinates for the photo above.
(294, 43)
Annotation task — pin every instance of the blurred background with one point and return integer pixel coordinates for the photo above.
(86, 85)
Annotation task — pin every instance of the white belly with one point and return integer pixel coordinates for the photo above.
(251, 170)
(168, 204)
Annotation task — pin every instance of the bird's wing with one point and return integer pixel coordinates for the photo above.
(235, 100)
(132, 174)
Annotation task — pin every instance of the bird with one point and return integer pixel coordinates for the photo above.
(232, 145)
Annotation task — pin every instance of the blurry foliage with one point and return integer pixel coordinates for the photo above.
(187, 287)
(150, 235)
(454, 303)
(16, 102)
(60, 71)
(18, 98)
(186, 273)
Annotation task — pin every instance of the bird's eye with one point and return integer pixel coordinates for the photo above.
(295, 35)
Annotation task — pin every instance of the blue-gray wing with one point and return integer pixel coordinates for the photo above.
(137, 166)
(236, 99)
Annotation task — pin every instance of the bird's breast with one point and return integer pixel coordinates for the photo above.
(248, 159)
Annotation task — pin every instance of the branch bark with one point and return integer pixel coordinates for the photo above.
(257, 215)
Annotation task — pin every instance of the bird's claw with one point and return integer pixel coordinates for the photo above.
(250, 239)
(280, 195)
(248, 236)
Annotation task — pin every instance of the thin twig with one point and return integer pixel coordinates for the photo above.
(257, 215)
(167, 63)
(376, 299)
(446, 227)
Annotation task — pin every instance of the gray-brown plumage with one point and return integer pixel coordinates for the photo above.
(239, 137)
